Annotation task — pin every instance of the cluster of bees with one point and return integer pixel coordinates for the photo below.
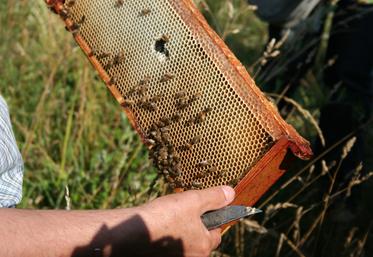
(163, 153)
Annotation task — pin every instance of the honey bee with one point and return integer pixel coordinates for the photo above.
(153, 133)
(119, 58)
(92, 52)
(197, 185)
(207, 110)
(165, 129)
(161, 124)
(180, 94)
(70, 3)
(195, 140)
(110, 64)
(82, 20)
(65, 13)
(128, 103)
(167, 77)
(166, 137)
(182, 103)
(150, 142)
(165, 38)
(164, 162)
(195, 97)
(141, 89)
(153, 106)
(179, 184)
(74, 28)
(221, 173)
(162, 155)
(171, 150)
(186, 147)
(201, 117)
(166, 121)
(203, 164)
(156, 135)
(143, 101)
(177, 168)
(104, 55)
(176, 117)
(153, 127)
(145, 80)
(113, 80)
(148, 105)
(189, 122)
(233, 182)
(175, 173)
(176, 158)
(157, 98)
(119, 3)
(212, 170)
(200, 175)
(145, 12)
(170, 179)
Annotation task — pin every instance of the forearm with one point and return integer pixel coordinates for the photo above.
(65, 233)
(168, 226)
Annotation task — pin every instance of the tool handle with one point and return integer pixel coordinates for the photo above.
(218, 218)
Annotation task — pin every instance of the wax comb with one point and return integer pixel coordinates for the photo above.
(189, 98)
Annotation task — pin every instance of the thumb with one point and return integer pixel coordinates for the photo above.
(215, 198)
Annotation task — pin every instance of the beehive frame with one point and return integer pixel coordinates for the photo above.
(168, 46)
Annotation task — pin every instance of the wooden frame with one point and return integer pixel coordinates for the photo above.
(269, 169)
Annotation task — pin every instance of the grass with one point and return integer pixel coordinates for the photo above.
(72, 133)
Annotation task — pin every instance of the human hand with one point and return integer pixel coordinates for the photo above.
(178, 217)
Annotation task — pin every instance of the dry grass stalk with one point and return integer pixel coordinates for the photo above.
(305, 113)
(271, 52)
(296, 224)
(284, 238)
(240, 240)
(310, 173)
(272, 209)
(357, 179)
(67, 198)
(358, 251)
(254, 226)
(324, 167)
(350, 237)
(348, 147)
(279, 245)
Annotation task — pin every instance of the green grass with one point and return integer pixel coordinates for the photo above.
(72, 133)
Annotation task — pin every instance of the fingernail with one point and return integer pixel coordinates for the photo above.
(229, 193)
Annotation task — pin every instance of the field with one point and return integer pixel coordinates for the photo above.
(80, 151)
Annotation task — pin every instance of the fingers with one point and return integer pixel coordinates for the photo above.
(215, 198)
(215, 238)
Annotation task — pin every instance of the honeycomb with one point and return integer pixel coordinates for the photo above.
(164, 64)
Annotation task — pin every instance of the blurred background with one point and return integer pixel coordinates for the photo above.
(81, 153)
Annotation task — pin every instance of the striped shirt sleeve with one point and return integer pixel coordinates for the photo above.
(11, 163)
